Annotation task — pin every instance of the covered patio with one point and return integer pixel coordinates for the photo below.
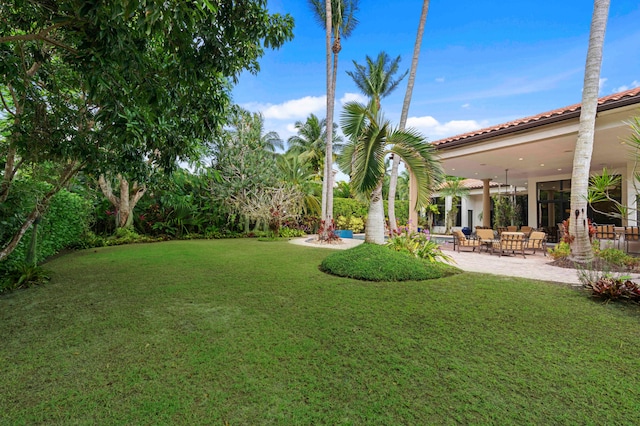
(532, 158)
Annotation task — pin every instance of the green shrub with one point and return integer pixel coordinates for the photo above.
(128, 236)
(352, 223)
(418, 244)
(287, 232)
(22, 275)
(62, 226)
(348, 207)
(560, 251)
(617, 257)
(372, 262)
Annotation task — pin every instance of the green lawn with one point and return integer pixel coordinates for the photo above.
(244, 332)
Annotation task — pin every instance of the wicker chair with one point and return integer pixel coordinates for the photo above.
(460, 240)
(509, 243)
(537, 241)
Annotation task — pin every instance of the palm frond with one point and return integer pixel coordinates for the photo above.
(420, 157)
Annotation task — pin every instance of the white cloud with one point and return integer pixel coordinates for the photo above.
(601, 84)
(353, 97)
(440, 80)
(634, 84)
(435, 130)
(293, 109)
(467, 105)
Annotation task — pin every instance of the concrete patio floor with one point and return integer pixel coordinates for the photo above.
(534, 266)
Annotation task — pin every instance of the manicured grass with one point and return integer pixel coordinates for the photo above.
(242, 332)
(372, 262)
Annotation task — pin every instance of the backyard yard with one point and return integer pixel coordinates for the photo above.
(246, 332)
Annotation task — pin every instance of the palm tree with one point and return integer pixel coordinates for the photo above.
(581, 250)
(413, 217)
(294, 172)
(371, 138)
(453, 188)
(310, 142)
(375, 79)
(249, 129)
(338, 19)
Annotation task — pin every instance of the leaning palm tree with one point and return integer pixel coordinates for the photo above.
(338, 19)
(581, 250)
(311, 141)
(376, 79)
(371, 138)
(403, 121)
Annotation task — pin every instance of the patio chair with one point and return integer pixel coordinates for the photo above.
(512, 228)
(537, 241)
(485, 237)
(501, 229)
(631, 239)
(605, 232)
(509, 243)
(526, 230)
(461, 240)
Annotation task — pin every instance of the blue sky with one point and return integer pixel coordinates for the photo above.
(481, 63)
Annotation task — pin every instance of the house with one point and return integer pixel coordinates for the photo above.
(532, 159)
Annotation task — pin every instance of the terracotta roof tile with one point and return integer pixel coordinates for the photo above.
(632, 93)
(473, 184)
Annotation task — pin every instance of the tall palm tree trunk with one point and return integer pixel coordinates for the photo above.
(581, 250)
(326, 181)
(393, 182)
(374, 231)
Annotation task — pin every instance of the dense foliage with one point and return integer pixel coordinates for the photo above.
(124, 86)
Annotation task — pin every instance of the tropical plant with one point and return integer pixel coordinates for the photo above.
(393, 180)
(612, 288)
(376, 80)
(453, 188)
(23, 275)
(581, 248)
(310, 142)
(418, 244)
(371, 138)
(505, 211)
(293, 172)
(352, 223)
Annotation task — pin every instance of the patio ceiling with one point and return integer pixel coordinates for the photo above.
(542, 149)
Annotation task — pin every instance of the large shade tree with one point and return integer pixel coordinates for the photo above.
(581, 250)
(371, 139)
(105, 86)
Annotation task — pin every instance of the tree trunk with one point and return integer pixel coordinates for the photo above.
(374, 232)
(329, 149)
(581, 250)
(125, 203)
(393, 183)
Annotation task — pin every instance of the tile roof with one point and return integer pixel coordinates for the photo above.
(473, 184)
(631, 96)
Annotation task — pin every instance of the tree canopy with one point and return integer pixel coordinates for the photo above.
(122, 85)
